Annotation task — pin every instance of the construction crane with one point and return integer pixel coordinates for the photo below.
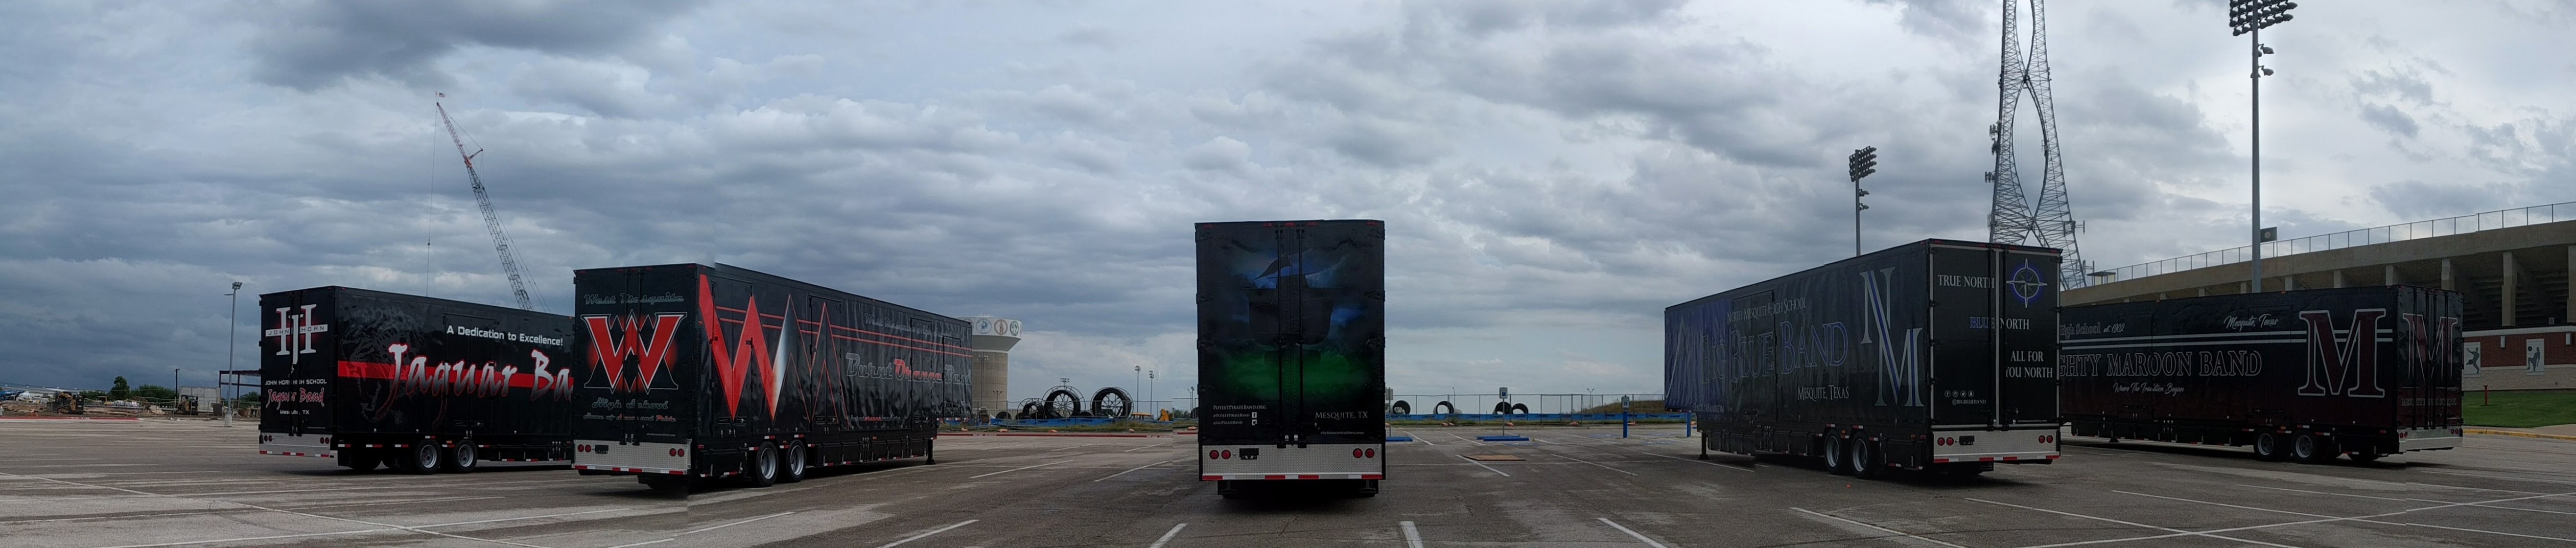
(491, 221)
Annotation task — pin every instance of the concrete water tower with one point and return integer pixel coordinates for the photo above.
(992, 340)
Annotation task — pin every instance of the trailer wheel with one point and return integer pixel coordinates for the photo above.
(760, 467)
(361, 461)
(2311, 448)
(1837, 460)
(461, 458)
(422, 458)
(1367, 488)
(1866, 462)
(1227, 489)
(2267, 446)
(796, 464)
(2366, 455)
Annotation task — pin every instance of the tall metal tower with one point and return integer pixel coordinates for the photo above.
(2051, 223)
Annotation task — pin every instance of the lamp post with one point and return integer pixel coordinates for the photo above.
(232, 343)
(2251, 17)
(1863, 163)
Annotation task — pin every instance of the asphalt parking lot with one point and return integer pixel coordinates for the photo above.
(85, 484)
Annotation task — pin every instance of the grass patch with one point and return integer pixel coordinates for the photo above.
(2518, 408)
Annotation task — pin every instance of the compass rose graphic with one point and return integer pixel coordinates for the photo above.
(2027, 283)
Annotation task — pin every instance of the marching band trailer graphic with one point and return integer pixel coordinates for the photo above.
(1292, 353)
(1935, 355)
(420, 384)
(2299, 375)
(695, 371)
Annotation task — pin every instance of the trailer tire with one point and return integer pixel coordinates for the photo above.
(461, 458)
(760, 467)
(1366, 489)
(422, 458)
(2310, 448)
(1866, 462)
(2366, 455)
(2267, 446)
(797, 462)
(1837, 456)
(362, 461)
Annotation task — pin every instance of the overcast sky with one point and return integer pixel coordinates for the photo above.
(1552, 174)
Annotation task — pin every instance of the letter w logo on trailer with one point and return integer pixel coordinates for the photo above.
(616, 343)
(748, 352)
(2351, 368)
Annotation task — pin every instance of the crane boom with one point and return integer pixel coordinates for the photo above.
(491, 222)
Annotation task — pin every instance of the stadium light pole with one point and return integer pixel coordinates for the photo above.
(232, 344)
(2246, 17)
(1863, 163)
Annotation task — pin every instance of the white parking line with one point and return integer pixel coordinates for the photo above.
(1167, 535)
(926, 534)
(2177, 532)
(1418, 437)
(1633, 533)
(413, 501)
(1464, 438)
(1698, 461)
(694, 531)
(2502, 507)
(2501, 477)
(1412, 538)
(1147, 447)
(1480, 464)
(423, 529)
(1889, 531)
(1020, 468)
(1133, 469)
(2364, 519)
(1603, 466)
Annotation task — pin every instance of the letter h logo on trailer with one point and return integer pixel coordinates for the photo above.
(295, 331)
(2349, 369)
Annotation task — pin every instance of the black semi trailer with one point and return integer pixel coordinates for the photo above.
(2304, 375)
(1292, 354)
(1935, 355)
(421, 384)
(695, 371)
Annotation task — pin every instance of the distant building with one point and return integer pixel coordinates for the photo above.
(992, 339)
(2512, 266)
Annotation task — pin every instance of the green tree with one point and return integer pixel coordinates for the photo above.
(155, 393)
(120, 391)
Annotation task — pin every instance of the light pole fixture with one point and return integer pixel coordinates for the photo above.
(1863, 163)
(232, 343)
(2250, 17)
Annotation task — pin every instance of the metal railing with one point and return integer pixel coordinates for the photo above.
(2492, 220)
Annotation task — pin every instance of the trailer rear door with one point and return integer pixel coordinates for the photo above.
(1995, 336)
(2428, 340)
(298, 369)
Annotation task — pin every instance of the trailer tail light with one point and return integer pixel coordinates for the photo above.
(675, 451)
(2047, 439)
(1226, 454)
(1372, 453)
(1355, 453)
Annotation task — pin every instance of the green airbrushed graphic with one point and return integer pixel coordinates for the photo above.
(1329, 375)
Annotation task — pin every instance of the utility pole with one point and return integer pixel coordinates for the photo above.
(2251, 17)
(1863, 163)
